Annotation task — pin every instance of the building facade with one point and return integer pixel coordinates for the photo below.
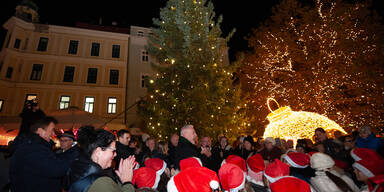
(99, 70)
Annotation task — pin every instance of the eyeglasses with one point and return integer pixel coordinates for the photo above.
(112, 149)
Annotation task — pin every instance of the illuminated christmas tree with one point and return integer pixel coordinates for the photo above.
(193, 84)
(325, 57)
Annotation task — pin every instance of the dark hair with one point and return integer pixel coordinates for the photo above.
(162, 186)
(121, 132)
(42, 123)
(146, 189)
(89, 139)
(320, 129)
(340, 183)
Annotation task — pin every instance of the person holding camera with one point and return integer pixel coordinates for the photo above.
(30, 114)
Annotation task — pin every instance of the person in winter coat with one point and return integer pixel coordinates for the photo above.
(97, 150)
(327, 179)
(187, 145)
(367, 139)
(248, 148)
(270, 151)
(221, 152)
(34, 166)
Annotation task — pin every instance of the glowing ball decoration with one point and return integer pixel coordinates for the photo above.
(287, 124)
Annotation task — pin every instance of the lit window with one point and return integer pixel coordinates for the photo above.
(30, 97)
(1, 104)
(144, 56)
(64, 102)
(37, 70)
(88, 104)
(140, 33)
(112, 104)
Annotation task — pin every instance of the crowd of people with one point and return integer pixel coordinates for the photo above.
(97, 160)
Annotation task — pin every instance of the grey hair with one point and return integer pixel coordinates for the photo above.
(183, 129)
(365, 129)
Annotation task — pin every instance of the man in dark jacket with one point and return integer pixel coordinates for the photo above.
(123, 150)
(34, 166)
(187, 144)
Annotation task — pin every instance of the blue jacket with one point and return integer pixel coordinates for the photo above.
(35, 167)
(371, 142)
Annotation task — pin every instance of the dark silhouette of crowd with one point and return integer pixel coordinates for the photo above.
(98, 160)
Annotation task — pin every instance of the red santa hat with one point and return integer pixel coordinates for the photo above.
(256, 167)
(156, 164)
(360, 153)
(298, 160)
(236, 160)
(275, 170)
(288, 184)
(145, 177)
(232, 178)
(190, 162)
(194, 179)
(369, 167)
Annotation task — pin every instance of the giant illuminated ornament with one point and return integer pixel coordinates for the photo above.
(287, 124)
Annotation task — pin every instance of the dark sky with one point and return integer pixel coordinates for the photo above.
(242, 15)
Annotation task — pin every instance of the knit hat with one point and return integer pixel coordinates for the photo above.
(156, 164)
(68, 134)
(298, 160)
(321, 161)
(232, 178)
(145, 177)
(288, 184)
(370, 168)
(236, 160)
(360, 153)
(194, 179)
(190, 162)
(249, 139)
(270, 139)
(275, 170)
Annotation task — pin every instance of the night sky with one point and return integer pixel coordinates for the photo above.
(242, 15)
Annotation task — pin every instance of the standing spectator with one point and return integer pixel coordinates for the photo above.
(34, 166)
(270, 151)
(150, 150)
(367, 139)
(206, 153)
(187, 144)
(331, 148)
(248, 148)
(97, 150)
(68, 146)
(172, 144)
(30, 114)
(327, 179)
(221, 151)
(123, 150)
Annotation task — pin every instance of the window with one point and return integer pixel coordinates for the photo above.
(30, 97)
(95, 49)
(140, 33)
(68, 74)
(144, 56)
(1, 65)
(37, 70)
(88, 104)
(8, 40)
(17, 43)
(9, 72)
(114, 77)
(143, 79)
(64, 102)
(1, 104)
(115, 51)
(73, 44)
(112, 104)
(92, 75)
(43, 43)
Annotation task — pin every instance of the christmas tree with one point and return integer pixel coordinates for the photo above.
(325, 57)
(193, 83)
